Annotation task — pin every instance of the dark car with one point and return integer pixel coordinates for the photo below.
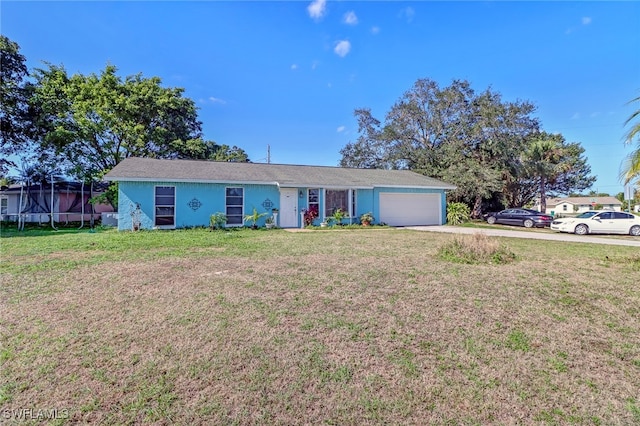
(521, 217)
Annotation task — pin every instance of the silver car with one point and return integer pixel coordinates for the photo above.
(599, 222)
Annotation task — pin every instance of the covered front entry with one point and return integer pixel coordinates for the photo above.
(402, 209)
(288, 208)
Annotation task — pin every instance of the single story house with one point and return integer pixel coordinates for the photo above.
(67, 201)
(157, 194)
(571, 205)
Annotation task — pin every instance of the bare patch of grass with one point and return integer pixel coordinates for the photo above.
(348, 327)
(476, 248)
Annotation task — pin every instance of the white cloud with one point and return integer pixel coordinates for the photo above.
(407, 13)
(586, 20)
(350, 18)
(575, 116)
(342, 48)
(315, 65)
(294, 67)
(317, 9)
(375, 30)
(340, 129)
(217, 100)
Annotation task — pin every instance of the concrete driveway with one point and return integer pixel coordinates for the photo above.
(532, 235)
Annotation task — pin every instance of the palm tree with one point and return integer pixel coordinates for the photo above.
(630, 168)
(543, 161)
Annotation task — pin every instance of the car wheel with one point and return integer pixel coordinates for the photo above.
(528, 223)
(581, 229)
(635, 230)
(491, 220)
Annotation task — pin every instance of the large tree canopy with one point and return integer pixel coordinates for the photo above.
(93, 122)
(13, 101)
(473, 140)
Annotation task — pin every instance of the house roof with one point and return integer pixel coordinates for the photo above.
(58, 186)
(284, 175)
(584, 200)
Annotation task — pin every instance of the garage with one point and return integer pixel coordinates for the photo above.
(402, 209)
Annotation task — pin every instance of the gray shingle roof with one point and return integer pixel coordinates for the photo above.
(149, 169)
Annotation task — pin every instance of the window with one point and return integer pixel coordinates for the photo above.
(314, 200)
(235, 202)
(165, 201)
(342, 199)
(4, 205)
(622, 215)
(353, 203)
(564, 207)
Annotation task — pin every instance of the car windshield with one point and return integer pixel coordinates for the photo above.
(586, 215)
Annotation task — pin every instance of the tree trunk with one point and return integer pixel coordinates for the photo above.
(477, 208)
(543, 195)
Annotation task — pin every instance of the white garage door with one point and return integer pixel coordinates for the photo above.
(409, 209)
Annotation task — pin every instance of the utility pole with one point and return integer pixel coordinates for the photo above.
(268, 154)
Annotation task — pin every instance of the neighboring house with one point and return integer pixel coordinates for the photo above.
(33, 202)
(571, 205)
(182, 193)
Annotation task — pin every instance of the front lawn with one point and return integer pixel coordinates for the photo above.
(352, 327)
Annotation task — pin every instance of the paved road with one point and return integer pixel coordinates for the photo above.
(500, 232)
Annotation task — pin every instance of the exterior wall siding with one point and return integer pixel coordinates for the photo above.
(210, 198)
(194, 202)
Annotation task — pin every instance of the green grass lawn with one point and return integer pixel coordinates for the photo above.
(358, 326)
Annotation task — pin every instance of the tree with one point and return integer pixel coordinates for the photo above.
(631, 166)
(453, 133)
(554, 166)
(13, 102)
(209, 150)
(371, 150)
(93, 122)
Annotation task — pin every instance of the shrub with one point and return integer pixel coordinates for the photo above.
(338, 215)
(457, 213)
(310, 215)
(476, 248)
(217, 220)
(367, 218)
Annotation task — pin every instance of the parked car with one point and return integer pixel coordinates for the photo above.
(521, 217)
(599, 222)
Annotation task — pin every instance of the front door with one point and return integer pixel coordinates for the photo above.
(288, 208)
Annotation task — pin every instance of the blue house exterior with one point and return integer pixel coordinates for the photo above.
(168, 194)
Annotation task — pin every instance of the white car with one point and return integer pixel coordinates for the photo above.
(599, 222)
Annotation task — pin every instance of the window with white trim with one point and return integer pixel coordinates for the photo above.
(314, 200)
(4, 205)
(165, 206)
(234, 201)
(343, 199)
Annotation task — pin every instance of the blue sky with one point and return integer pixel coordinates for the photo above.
(289, 74)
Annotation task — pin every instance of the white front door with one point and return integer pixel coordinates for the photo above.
(288, 208)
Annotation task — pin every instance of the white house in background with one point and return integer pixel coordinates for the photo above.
(572, 205)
